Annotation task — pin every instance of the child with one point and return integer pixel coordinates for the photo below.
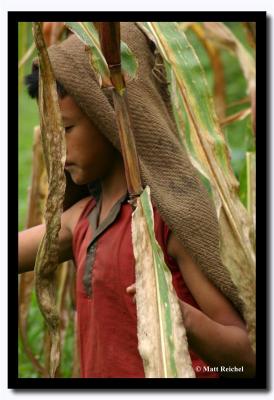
(96, 231)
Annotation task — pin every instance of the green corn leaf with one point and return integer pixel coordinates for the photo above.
(206, 145)
(162, 339)
(129, 63)
(89, 35)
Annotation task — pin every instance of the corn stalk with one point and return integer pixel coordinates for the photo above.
(162, 339)
(208, 152)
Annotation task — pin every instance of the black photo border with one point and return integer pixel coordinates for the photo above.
(261, 380)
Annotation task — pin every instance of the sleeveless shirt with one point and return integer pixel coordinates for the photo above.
(106, 315)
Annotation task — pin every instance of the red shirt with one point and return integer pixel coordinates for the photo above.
(106, 315)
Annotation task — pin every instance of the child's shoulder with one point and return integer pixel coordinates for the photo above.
(71, 216)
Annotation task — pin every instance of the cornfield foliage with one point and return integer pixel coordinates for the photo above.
(211, 70)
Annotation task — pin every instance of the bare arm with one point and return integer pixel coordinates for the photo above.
(30, 239)
(217, 333)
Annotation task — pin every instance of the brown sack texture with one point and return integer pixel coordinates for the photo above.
(176, 189)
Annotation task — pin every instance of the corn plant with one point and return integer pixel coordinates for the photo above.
(208, 149)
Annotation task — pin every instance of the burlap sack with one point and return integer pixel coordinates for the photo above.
(175, 186)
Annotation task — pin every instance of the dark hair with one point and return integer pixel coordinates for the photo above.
(32, 83)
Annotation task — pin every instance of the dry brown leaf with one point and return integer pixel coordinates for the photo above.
(54, 152)
(36, 202)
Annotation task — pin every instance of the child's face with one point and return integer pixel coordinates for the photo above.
(90, 155)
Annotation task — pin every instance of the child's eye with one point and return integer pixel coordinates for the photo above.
(68, 128)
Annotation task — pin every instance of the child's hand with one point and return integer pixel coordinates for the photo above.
(184, 309)
(189, 314)
(131, 290)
